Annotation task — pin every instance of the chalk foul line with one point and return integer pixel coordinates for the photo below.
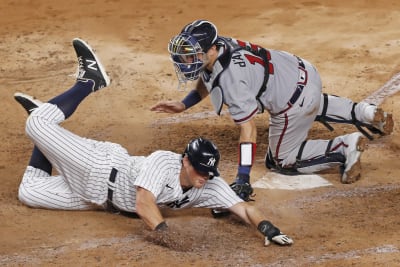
(389, 88)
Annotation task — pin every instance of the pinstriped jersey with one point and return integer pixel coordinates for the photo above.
(85, 167)
(240, 75)
(159, 173)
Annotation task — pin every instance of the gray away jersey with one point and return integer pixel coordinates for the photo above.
(242, 78)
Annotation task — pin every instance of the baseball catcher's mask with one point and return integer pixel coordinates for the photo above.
(188, 49)
(187, 56)
(204, 156)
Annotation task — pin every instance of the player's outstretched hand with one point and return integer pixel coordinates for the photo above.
(168, 107)
(273, 234)
(280, 239)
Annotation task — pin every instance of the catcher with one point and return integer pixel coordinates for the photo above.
(250, 79)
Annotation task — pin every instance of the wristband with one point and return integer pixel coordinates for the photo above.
(268, 229)
(191, 99)
(247, 151)
(161, 226)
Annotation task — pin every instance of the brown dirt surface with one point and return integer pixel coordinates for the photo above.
(354, 44)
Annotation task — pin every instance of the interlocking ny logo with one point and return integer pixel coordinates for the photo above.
(91, 64)
(211, 162)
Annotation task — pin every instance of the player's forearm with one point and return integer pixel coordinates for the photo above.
(150, 214)
(249, 214)
(147, 208)
(255, 216)
(248, 132)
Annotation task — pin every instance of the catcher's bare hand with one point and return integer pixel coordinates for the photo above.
(168, 107)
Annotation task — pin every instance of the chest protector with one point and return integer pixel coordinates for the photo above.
(230, 46)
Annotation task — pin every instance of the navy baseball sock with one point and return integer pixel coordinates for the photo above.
(70, 99)
(39, 161)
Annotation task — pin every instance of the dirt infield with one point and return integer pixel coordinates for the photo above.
(354, 44)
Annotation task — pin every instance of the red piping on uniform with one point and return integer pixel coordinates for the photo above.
(281, 136)
(286, 109)
(246, 118)
(339, 145)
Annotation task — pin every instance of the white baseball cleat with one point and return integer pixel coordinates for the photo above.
(356, 143)
(29, 103)
(89, 66)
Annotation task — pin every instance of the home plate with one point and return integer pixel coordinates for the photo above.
(274, 180)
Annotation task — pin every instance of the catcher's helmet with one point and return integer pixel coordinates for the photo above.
(195, 39)
(204, 31)
(204, 156)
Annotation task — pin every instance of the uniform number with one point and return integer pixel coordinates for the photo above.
(255, 59)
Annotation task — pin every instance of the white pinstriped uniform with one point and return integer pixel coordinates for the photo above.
(84, 167)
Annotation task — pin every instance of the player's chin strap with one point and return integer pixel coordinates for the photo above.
(360, 125)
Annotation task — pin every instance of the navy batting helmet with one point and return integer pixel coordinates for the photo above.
(203, 155)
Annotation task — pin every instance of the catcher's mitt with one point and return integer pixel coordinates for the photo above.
(244, 191)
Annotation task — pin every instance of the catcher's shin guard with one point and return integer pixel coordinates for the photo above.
(381, 124)
(302, 166)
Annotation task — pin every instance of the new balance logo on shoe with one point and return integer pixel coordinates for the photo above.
(92, 64)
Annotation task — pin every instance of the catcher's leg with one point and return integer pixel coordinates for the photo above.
(368, 118)
(291, 154)
(318, 155)
(343, 151)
